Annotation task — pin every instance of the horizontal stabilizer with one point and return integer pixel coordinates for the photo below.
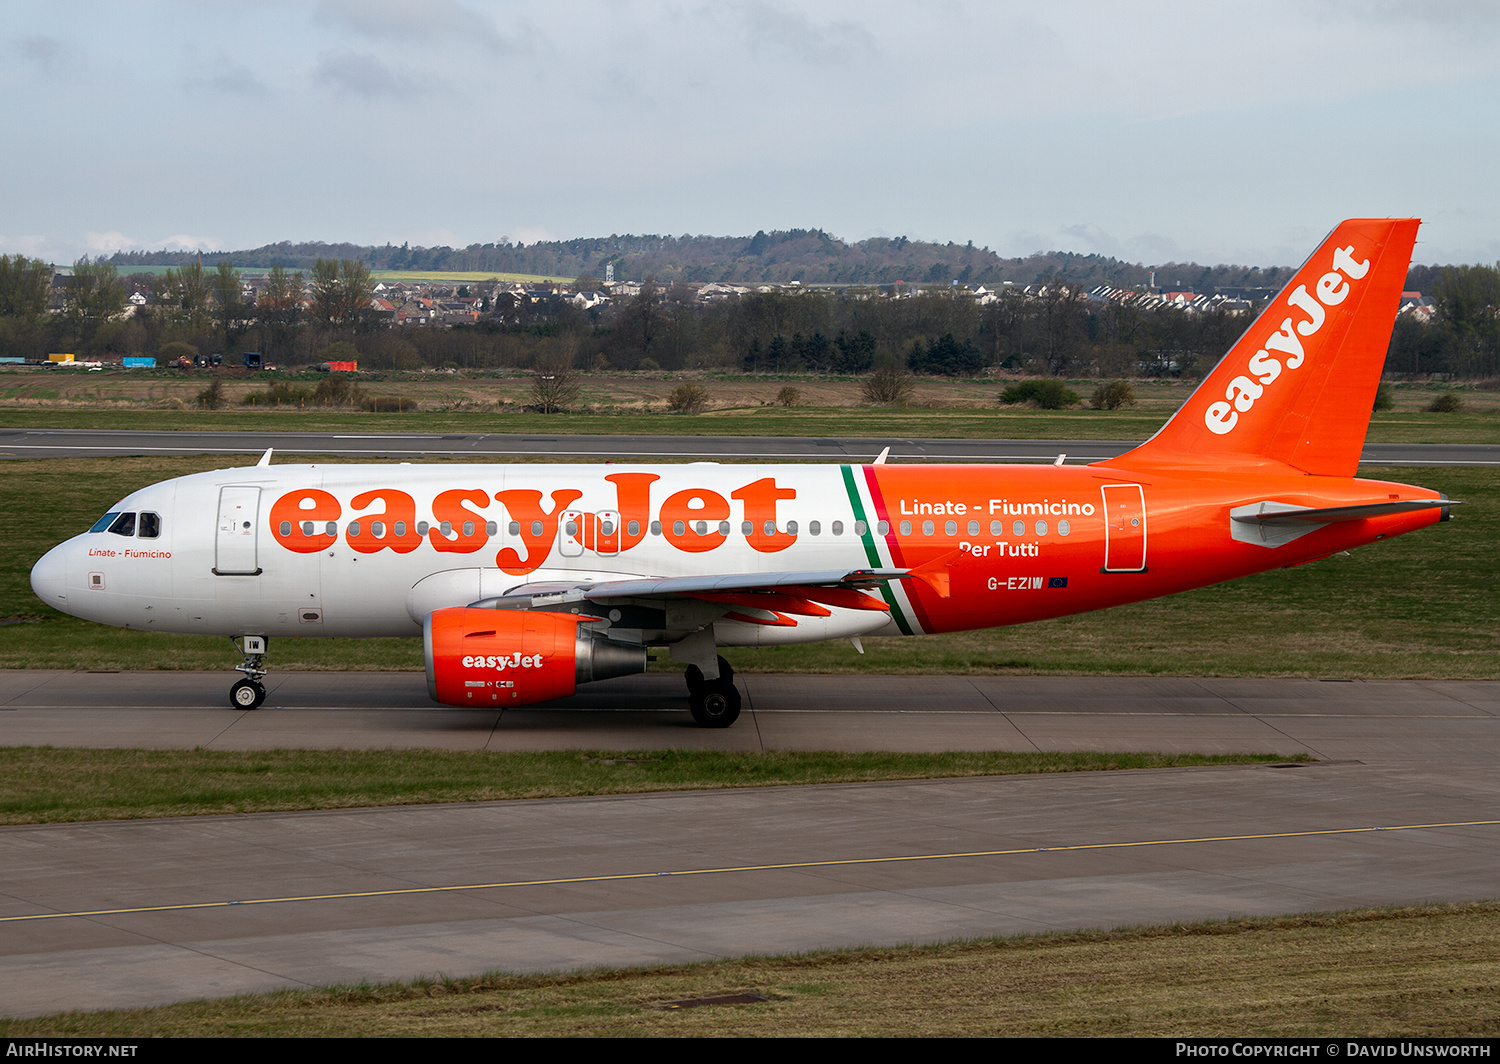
(1271, 524)
(1279, 512)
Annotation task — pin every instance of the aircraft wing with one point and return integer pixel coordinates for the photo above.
(542, 596)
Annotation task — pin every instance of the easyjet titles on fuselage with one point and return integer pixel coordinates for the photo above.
(694, 520)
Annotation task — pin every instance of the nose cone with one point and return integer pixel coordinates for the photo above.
(49, 578)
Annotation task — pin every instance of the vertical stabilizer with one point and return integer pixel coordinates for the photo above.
(1299, 385)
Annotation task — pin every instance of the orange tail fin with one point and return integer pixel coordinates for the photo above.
(1297, 388)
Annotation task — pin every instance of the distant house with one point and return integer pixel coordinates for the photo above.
(415, 312)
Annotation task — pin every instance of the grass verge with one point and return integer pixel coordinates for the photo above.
(42, 785)
(636, 403)
(1428, 971)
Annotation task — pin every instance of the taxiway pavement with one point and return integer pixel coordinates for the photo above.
(376, 446)
(1403, 808)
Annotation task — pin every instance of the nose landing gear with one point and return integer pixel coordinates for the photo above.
(713, 703)
(249, 693)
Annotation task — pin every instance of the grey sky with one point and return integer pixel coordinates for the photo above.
(1221, 133)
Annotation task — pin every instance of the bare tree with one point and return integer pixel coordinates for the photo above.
(184, 294)
(687, 399)
(95, 295)
(229, 301)
(888, 386)
(554, 383)
(341, 291)
(25, 286)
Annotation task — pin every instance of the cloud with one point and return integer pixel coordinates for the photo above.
(362, 74)
(30, 246)
(184, 242)
(226, 76)
(1092, 239)
(438, 22)
(46, 52)
(1457, 17)
(777, 27)
(531, 234)
(114, 240)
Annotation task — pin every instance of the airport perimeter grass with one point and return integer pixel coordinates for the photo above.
(1428, 971)
(45, 785)
(1420, 606)
(635, 403)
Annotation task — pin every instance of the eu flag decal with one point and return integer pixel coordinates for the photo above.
(1057, 581)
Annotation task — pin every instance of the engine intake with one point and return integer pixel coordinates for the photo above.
(481, 657)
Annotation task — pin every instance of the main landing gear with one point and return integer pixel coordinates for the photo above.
(249, 693)
(713, 703)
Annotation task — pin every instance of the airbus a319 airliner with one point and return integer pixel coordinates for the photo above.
(526, 580)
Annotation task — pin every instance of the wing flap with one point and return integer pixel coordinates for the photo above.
(802, 583)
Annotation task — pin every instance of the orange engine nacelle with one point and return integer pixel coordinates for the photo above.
(479, 657)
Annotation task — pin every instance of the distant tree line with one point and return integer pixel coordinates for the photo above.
(941, 330)
(809, 256)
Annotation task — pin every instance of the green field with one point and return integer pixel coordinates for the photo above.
(1421, 606)
(465, 276)
(435, 276)
(46, 785)
(1423, 972)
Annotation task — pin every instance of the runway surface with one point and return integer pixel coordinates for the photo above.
(1402, 810)
(85, 443)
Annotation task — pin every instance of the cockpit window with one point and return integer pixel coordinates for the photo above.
(150, 526)
(124, 525)
(104, 522)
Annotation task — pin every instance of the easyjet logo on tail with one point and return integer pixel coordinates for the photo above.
(1265, 367)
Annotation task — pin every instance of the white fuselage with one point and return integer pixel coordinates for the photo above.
(225, 562)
